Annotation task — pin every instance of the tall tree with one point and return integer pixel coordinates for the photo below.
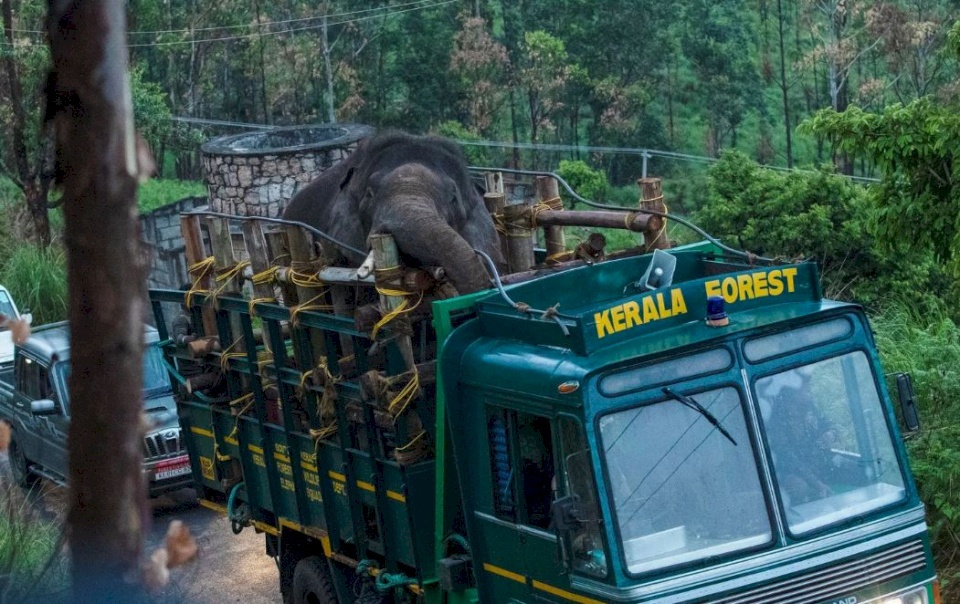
(30, 155)
(482, 64)
(98, 163)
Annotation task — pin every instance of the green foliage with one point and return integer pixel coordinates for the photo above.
(158, 192)
(31, 567)
(476, 156)
(924, 341)
(587, 182)
(812, 215)
(37, 280)
(917, 147)
(151, 111)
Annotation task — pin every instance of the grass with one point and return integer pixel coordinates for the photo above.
(32, 567)
(925, 342)
(158, 192)
(37, 280)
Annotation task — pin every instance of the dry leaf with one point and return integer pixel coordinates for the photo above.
(181, 546)
(154, 572)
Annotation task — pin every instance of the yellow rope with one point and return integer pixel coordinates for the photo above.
(308, 305)
(266, 277)
(203, 268)
(407, 446)
(401, 309)
(254, 301)
(302, 279)
(663, 229)
(403, 398)
(226, 355)
(236, 421)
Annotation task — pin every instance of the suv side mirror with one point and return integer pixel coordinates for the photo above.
(908, 402)
(44, 406)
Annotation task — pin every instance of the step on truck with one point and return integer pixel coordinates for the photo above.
(694, 424)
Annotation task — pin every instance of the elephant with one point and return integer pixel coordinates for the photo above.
(417, 189)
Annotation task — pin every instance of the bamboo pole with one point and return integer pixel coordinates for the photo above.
(518, 226)
(548, 194)
(631, 221)
(651, 198)
(495, 199)
(303, 259)
(279, 252)
(224, 259)
(389, 275)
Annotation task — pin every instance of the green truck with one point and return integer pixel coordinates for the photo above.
(683, 426)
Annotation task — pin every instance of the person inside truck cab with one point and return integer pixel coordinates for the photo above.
(801, 439)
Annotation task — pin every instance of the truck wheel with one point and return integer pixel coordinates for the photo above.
(312, 583)
(19, 465)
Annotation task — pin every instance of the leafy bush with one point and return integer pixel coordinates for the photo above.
(37, 280)
(925, 342)
(813, 215)
(587, 182)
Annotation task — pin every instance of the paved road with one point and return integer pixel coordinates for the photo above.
(228, 567)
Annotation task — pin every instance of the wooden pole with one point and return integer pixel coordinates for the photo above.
(631, 221)
(193, 250)
(221, 240)
(518, 226)
(389, 276)
(98, 165)
(548, 194)
(495, 199)
(279, 251)
(303, 258)
(651, 198)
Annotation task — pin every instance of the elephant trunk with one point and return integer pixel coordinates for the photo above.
(422, 234)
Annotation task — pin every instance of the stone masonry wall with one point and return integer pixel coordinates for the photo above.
(161, 234)
(247, 185)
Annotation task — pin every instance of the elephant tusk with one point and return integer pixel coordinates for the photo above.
(367, 267)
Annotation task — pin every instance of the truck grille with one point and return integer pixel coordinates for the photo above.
(839, 580)
(162, 444)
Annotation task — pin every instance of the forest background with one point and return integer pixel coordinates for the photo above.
(825, 129)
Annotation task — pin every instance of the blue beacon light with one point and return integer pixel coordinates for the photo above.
(716, 314)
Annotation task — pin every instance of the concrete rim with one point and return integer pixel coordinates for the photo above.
(270, 141)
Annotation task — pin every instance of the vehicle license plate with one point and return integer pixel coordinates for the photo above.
(179, 467)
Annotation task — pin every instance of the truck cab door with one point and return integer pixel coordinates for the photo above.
(53, 427)
(27, 426)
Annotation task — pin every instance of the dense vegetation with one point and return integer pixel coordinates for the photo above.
(874, 86)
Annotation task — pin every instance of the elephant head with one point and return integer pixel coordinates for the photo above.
(416, 189)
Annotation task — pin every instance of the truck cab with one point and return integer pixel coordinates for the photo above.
(649, 455)
(35, 401)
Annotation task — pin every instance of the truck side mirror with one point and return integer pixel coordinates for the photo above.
(565, 513)
(43, 406)
(908, 402)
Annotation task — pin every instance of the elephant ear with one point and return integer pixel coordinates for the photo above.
(347, 178)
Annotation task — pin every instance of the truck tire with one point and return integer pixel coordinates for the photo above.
(312, 583)
(20, 465)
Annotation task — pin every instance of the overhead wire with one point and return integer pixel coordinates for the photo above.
(382, 12)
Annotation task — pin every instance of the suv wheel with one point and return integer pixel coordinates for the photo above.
(20, 465)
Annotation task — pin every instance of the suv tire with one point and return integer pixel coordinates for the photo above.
(20, 465)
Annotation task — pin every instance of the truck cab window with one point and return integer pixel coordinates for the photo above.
(28, 374)
(522, 461)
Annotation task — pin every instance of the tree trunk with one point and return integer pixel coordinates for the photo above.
(784, 87)
(328, 68)
(28, 179)
(97, 164)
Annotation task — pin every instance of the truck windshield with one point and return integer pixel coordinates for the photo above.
(155, 380)
(832, 451)
(681, 490)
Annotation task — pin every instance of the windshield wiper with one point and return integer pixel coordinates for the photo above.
(693, 404)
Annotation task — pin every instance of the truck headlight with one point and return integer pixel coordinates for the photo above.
(914, 596)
